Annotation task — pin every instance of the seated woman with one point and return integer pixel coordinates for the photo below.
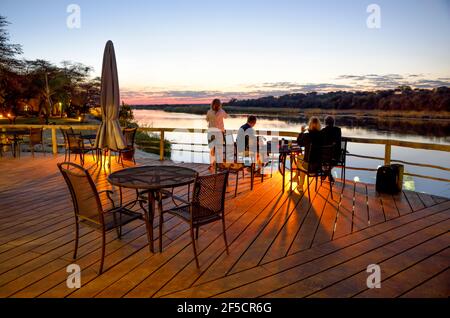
(311, 140)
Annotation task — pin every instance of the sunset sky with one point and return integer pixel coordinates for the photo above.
(190, 51)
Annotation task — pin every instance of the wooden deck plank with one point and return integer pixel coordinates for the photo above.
(286, 237)
(402, 204)
(414, 200)
(426, 199)
(376, 214)
(344, 219)
(413, 276)
(360, 212)
(433, 288)
(281, 285)
(356, 284)
(277, 241)
(306, 259)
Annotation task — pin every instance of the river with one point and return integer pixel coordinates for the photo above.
(427, 131)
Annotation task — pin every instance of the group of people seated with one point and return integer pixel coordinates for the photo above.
(311, 137)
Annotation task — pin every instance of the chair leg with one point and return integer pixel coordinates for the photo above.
(196, 232)
(225, 235)
(193, 246)
(307, 183)
(118, 228)
(237, 181)
(76, 239)
(343, 168)
(161, 221)
(331, 186)
(103, 251)
(316, 183)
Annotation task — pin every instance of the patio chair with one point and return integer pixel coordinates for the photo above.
(88, 207)
(36, 138)
(5, 142)
(233, 166)
(206, 206)
(320, 166)
(66, 142)
(129, 135)
(341, 160)
(76, 146)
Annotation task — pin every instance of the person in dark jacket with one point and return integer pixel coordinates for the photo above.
(311, 140)
(332, 135)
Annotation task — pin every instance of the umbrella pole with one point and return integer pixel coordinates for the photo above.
(109, 160)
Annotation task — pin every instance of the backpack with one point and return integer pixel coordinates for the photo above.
(390, 179)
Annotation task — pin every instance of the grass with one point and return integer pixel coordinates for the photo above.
(149, 142)
(287, 112)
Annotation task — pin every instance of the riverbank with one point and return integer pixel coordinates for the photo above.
(304, 113)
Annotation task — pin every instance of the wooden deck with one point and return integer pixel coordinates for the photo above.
(280, 244)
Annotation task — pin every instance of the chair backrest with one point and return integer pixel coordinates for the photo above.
(36, 136)
(343, 153)
(85, 198)
(64, 133)
(326, 156)
(230, 147)
(129, 134)
(319, 158)
(208, 198)
(74, 141)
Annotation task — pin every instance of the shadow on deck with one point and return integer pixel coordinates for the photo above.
(280, 244)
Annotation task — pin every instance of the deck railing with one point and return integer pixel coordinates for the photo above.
(387, 159)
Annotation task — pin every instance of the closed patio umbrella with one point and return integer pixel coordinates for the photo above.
(109, 135)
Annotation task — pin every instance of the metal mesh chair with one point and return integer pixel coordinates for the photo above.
(129, 135)
(88, 207)
(36, 138)
(341, 160)
(66, 142)
(5, 142)
(207, 205)
(76, 146)
(320, 167)
(230, 163)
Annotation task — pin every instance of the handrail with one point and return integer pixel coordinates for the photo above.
(388, 143)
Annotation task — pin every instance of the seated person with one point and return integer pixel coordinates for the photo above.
(243, 143)
(247, 131)
(311, 140)
(332, 135)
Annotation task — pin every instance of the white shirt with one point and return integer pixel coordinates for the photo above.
(215, 119)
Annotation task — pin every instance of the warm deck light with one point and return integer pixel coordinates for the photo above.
(1, 116)
(9, 115)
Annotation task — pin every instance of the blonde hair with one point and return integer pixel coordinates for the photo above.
(314, 124)
(216, 104)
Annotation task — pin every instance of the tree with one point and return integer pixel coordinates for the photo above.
(8, 51)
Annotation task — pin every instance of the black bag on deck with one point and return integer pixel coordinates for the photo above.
(390, 179)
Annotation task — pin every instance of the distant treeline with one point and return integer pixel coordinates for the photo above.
(402, 98)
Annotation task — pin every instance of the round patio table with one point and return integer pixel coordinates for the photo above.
(287, 151)
(16, 134)
(152, 179)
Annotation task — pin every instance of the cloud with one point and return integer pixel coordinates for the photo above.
(350, 82)
(390, 81)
